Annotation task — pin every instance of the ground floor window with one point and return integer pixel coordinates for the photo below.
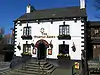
(63, 49)
(27, 48)
(96, 51)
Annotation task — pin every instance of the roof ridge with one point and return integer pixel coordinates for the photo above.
(58, 8)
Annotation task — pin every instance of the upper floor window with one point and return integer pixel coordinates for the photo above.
(27, 31)
(96, 31)
(64, 30)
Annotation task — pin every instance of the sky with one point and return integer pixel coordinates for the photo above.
(10, 10)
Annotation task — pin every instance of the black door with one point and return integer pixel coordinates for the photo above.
(41, 51)
(8, 56)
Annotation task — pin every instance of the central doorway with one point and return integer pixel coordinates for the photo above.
(41, 51)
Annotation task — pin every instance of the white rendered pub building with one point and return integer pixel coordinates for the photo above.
(50, 32)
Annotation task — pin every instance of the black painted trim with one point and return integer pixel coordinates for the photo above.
(15, 31)
(82, 29)
(82, 49)
(82, 33)
(15, 24)
(82, 41)
(85, 72)
(82, 45)
(15, 28)
(26, 42)
(15, 34)
(27, 37)
(82, 37)
(82, 25)
(15, 37)
(65, 37)
(49, 20)
(15, 41)
(20, 24)
(85, 33)
(15, 44)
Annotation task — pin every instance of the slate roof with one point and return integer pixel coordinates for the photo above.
(94, 23)
(65, 12)
(97, 41)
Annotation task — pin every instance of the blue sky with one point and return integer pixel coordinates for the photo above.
(12, 9)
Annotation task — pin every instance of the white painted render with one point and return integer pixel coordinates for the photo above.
(52, 30)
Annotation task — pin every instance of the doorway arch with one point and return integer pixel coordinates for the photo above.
(41, 46)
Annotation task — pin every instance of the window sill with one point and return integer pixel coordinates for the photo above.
(66, 37)
(24, 37)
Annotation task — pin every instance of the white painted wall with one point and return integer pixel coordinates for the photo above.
(53, 30)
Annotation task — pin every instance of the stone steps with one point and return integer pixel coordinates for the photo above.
(20, 73)
(34, 67)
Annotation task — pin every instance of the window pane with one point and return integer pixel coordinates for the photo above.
(67, 30)
(27, 48)
(29, 31)
(64, 30)
(60, 30)
(24, 31)
(64, 49)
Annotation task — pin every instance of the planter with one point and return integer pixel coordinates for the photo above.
(63, 58)
(61, 37)
(26, 56)
(24, 37)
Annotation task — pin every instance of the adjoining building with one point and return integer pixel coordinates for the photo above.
(93, 51)
(6, 47)
(50, 32)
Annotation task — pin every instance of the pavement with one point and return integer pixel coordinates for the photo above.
(4, 65)
(65, 68)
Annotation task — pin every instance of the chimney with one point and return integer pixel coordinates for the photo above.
(29, 9)
(82, 4)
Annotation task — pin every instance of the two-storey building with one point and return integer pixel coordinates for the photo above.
(50, 32)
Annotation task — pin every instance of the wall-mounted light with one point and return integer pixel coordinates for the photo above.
(34, 51)
(49, 51)
(51, 45)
